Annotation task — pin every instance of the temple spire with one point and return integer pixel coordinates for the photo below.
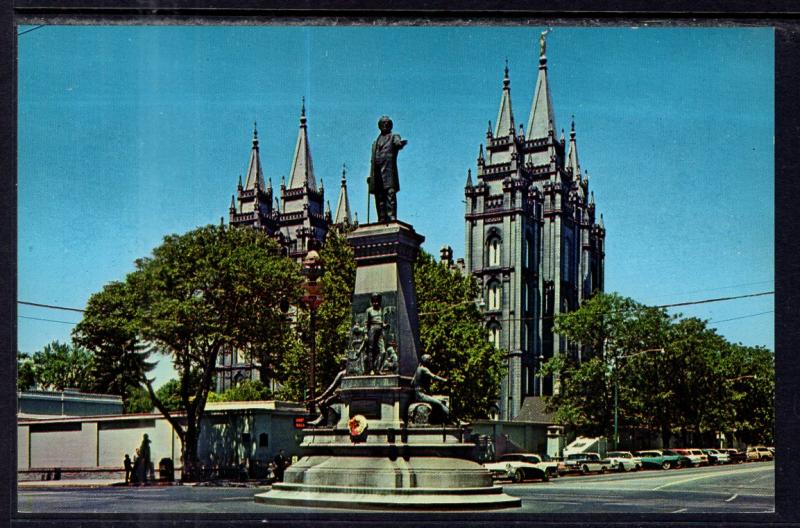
(302, 171)
(505, 117)
(572, 153)
(342, 214)
(254, 176)
(542, 120)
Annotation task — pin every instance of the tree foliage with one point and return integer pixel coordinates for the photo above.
(673, 376)
(212, 288)
(108, 331)
(138, 401)
(334, 315)
(57, 366)
(247, 390)
(452, 332)
(333, 320)
(26, 375)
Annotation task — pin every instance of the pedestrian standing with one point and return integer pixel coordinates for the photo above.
(128, 468)
(280, 464)
(144, 456)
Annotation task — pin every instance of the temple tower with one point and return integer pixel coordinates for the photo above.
(530, 239)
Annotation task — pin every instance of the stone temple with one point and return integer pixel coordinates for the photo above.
(532, 239)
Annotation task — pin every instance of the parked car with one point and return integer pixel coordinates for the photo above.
(759, 453)
(717, 456)
(623, 461)
(660, 459)
(696, 456)
(522, 466)
(586, 463)
(736, 456)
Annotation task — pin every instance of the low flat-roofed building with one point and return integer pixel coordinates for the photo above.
(231, 433)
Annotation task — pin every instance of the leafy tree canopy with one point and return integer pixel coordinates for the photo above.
(212, 288)
(57, 366)
(452, 332)
(671, 375)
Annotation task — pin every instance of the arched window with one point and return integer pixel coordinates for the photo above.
(494, 335)
(493, 292)
(493, 251)
(237, 379)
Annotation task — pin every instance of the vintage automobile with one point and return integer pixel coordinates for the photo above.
(586, 463)
(660, 459)
(522, 466)
(736, 456)
(696, 456)
(717, 456)
(759, 453)
(624, 461)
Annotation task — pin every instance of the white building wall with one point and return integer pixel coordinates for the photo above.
(23, 441)
(73, 448)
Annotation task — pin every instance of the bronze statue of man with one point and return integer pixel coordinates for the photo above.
(376, 324)
(383, 181)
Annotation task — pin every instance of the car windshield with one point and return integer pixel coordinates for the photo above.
(532, 459)
(670, 452)
(619, 454)
(575, 456)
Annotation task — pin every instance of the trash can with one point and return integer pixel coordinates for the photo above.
(166, 470)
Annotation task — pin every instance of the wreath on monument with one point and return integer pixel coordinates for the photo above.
(357, 425)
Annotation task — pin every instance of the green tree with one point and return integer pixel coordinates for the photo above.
(334, 315)
(138, 401)
(108, 330)
(751, 380)
(333, 321)
(247, 390)
(452, 332)
(26, 375)
(616, 335)
(59, 366)
(169, 395)
(212, 288)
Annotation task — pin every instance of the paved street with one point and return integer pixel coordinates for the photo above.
(746, 488)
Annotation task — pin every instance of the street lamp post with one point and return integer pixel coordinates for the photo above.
(312, 270)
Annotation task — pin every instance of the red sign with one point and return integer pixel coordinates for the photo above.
(312, 301)
(299, 422)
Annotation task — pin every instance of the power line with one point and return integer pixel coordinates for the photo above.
(47, 320)
(687, 303)
(718, 299)
(770, 281)
(52, 306)
(741, 317)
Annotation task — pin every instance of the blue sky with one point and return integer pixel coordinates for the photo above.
(127, 134)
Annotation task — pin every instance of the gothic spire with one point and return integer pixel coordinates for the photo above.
(254, 176)
(343, 205)
(302, 171)
(233, 205)
(572, 153)
(505, 117)
(469, 179)
(542, 120)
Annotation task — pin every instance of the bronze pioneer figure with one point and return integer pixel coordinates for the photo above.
(383, 181)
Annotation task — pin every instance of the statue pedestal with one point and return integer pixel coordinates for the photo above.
(385, 255)
(392, 465)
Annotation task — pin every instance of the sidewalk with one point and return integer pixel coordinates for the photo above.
(68, 483)
(103, 483)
